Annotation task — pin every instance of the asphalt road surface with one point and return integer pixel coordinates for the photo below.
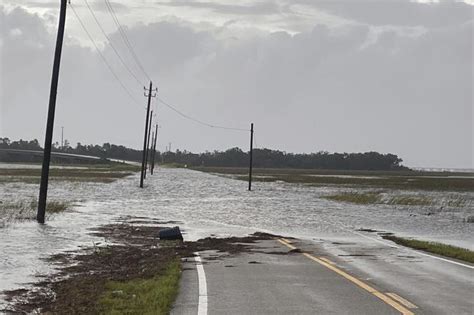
(299, 277)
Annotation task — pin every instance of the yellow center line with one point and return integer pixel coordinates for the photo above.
(286, 240)
(402, 309)
(327, 260)
(286, 244)
(401, 300)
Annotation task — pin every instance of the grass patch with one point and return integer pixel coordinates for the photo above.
(173, 165)
(26, 210)
(143, 296)
(358, 198)
(51, 206)
(377, 198)
(458, 203)
(435, 248)
(410, 201)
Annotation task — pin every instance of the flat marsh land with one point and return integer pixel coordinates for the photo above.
(403, 180)
(105, 173)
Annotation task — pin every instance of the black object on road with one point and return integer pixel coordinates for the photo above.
(170, 234)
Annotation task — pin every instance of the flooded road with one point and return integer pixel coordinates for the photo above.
(207, 204)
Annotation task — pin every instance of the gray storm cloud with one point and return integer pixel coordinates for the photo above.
(395, 81)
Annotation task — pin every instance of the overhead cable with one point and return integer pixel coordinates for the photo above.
(102, 56)
(111, 45)
(125, 38)
(194, 119)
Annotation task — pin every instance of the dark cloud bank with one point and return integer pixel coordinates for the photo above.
(342, 89)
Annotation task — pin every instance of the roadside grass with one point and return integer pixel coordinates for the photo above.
(435, 248)
(142, 296)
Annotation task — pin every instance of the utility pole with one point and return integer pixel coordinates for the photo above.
(151, 153)
(62, 138)
(154, 150)
(251, 157)
(148, 143)
(150, 95)
(51, 111)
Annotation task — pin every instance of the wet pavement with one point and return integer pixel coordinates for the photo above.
(272, 280)
(207, 204)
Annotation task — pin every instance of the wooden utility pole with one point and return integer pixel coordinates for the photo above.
(150, 91)
(148, 144)
(51, 111)
(154, 150)
(151, 152)
(251, 157)
(62, 138)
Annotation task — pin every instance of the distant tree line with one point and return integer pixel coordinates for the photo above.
(266, 158)
(234, 157)
(34, 145)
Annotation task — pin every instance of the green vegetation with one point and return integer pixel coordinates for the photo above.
(402, 180)
(410, 201)
(266, 158)
(435, 248)
(105, 151)
(105, 173)
(358, 198)
(233, 157)
(173, 165)
(26, 210)
(143, 296)
(377, 198)
(51, 206)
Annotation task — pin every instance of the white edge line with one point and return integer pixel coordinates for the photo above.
(417, 251)
(443, 259)
(202, 302)
(407, 248)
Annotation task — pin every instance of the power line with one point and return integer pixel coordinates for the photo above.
(102, 56)
(130, 48)
(110, 43)
(197, 120)
(125, 38)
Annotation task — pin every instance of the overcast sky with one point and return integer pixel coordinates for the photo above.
(347, 76)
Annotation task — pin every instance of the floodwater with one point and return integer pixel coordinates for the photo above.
(208, 204)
